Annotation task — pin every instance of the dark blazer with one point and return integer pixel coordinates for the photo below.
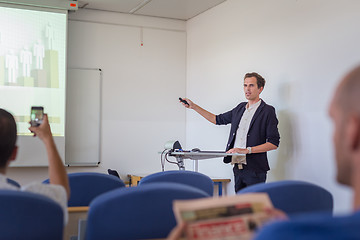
(263, 128)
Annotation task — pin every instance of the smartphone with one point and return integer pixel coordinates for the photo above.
(36, 116)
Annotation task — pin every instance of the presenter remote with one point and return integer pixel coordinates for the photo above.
(183, 101)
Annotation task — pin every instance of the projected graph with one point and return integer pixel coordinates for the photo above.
(29, 64)
(33, 65)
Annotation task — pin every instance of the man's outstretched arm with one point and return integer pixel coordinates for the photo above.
(206, 114)
(57, 172)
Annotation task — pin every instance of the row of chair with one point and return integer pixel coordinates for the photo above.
(86, 186)
(117, 212)
(147, 207)
(287, 196)
(140, 212)
(293, 197)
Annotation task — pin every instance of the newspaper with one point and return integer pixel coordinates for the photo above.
(225, 218)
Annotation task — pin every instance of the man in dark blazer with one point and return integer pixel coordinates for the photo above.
(253, 132)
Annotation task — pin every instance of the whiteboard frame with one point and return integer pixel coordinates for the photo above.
(74, 163)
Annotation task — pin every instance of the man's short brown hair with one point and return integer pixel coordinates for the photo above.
(7, 136)
(259, 79)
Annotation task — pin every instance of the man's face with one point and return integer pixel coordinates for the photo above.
(251, 89)
(343, 160)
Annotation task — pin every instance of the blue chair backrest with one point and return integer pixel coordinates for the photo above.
(85, 186)
(194, 179)
(295, 197)
(140, 212)
(25, 215)
(13, 182)
(313, 227)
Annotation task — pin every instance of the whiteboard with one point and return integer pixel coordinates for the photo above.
(83, 117)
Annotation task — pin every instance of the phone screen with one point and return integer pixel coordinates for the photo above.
(36, 116)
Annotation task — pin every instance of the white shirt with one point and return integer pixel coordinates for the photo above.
(55, 192)
(242, 131)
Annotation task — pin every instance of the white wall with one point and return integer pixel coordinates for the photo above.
(140, 90)
(302, 48)
(141, 85)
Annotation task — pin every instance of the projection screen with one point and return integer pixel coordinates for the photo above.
(33, 73)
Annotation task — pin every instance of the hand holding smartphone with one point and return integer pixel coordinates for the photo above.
(36, 116)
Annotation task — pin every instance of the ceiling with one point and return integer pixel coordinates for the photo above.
(175, 9)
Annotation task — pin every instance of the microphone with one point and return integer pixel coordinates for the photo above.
(173, 145)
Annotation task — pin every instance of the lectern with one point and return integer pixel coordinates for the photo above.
(180, 155)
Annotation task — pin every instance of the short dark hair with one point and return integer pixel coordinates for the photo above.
(7, 136)
(259, 79)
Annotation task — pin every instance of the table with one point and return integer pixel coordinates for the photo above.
(180, 155)
(75, 215)
(220, 183)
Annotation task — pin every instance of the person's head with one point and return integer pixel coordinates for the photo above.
(7, 138)
(253, 85)
(344, 110)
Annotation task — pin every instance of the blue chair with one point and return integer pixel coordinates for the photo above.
(194, 179)
(313, 227)
(25, 215)
(13, 182)
(85, 186)
(140, 212)
(295, 197)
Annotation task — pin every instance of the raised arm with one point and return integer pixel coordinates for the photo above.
(57, 172)
(207, 115)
